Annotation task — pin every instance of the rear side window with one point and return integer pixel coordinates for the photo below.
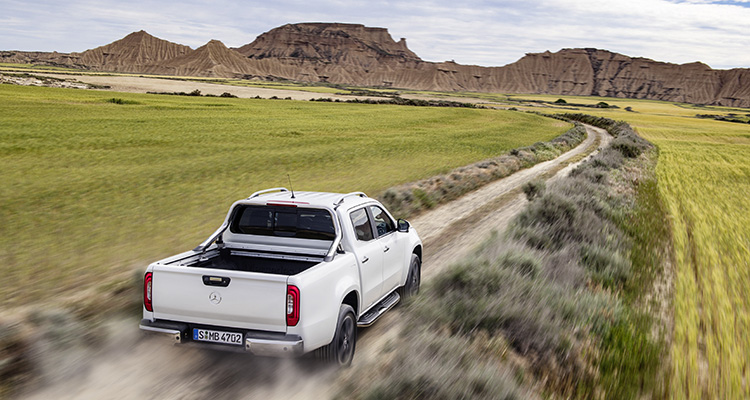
(300, 223)
(362, 226)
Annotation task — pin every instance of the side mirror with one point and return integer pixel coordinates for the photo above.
(403, 225)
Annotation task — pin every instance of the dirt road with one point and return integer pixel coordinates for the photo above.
(128, 366)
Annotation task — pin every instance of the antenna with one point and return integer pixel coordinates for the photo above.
(290, 184)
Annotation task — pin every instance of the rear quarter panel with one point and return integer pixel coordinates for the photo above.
(322, 291)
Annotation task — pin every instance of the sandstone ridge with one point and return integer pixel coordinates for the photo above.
(354, 54)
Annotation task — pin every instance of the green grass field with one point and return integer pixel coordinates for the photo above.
(94, 188)
(704, 179)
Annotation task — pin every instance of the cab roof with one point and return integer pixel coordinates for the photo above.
(282, 196)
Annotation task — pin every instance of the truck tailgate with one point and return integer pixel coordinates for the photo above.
(236, 299)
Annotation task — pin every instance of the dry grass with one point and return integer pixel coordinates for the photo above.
(704, 180)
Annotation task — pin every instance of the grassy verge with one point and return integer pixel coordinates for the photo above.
(552, 306)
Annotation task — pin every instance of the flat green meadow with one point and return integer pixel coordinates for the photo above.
(97, 184)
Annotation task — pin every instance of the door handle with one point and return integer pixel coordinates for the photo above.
(386, 249)
(216, 281)
(364, 260)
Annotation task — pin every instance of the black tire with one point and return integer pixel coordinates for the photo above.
(340, 351)
(411, 287)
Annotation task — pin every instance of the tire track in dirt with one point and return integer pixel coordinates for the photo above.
(131, 366)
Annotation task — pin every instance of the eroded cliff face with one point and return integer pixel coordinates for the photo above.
(335, 53)
(363, 56)
(341, 43)
(136, 52)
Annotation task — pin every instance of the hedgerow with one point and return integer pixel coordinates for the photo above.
(411, 198)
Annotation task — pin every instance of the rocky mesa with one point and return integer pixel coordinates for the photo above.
(357, 55)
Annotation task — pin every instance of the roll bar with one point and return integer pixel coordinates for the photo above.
(341, 199)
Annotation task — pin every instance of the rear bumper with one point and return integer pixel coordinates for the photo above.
(256, 342)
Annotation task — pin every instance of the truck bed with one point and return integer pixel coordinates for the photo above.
(226, 261)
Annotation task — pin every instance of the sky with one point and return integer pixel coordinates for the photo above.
(479, 32)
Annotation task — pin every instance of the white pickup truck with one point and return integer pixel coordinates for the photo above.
(286, 274)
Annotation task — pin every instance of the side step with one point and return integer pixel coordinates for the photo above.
(379, 309)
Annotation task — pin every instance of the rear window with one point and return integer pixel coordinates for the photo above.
(293, 222)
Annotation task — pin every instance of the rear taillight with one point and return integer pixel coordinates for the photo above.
(292, 305)
(148, 285)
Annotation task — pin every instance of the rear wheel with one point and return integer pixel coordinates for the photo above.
(340, 351)
(411, 287)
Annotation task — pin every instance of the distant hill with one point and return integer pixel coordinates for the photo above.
(363, 56)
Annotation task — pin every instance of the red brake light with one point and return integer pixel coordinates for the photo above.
(147, 289)
(292, 305)
(279, 204)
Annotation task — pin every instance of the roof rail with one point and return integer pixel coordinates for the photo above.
(340, 200)
(260, 192)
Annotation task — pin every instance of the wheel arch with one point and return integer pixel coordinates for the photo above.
(418, 251)
(352, 299)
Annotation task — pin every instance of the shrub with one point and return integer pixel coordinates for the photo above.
(629, 145)
(433, 366)
(607, 265)
(423, 198)
(534, 189)
(506, 292)
(117, 100)
(601, 122)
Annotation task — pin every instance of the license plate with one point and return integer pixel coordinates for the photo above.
(205, 335)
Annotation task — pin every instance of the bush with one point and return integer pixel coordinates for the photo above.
(507, 291)
(424, 198)
(433, 366)
(607, 265)
(117, 100)
(629, 145)
(534, 189)
(600, 122)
